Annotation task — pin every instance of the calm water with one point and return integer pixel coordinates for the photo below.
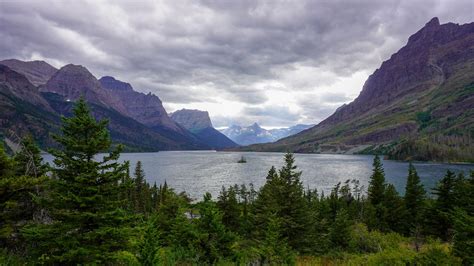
(199, 171)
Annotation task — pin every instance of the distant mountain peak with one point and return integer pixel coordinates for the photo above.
(192, 119)
(112, 83)
(434, 22)
(37, 72)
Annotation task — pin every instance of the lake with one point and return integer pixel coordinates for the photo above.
(197, 172)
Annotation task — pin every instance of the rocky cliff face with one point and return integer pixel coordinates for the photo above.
(193, 120)
(431, 74)
(74, 81)
(199, 123)
(16, 84)
(37, 72)
(145, 108)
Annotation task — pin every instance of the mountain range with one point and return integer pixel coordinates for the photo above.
(419, 105)
(34, 95)
(255, 134)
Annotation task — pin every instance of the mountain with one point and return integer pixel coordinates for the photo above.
(193, 120)
(418, 105)
(255, 134)
(25, 109)
(73, 81)
(37, 72)
(145, 108)
(199, 123)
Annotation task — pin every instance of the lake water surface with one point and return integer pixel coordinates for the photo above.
(197, 172)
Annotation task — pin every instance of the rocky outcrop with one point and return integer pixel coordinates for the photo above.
(193, 120)
(74, 81)
(145, 108)
(16, 84)
(37, 72)
(199, 123)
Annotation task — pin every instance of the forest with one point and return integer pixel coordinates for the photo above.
(88, 210)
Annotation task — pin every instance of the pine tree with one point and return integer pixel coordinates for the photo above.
(283, 194)
(463, 246)
(414, 201)
(441, 220)
(274, 247)
(229, 206)
(376, 194)
(215, 240)
(89, 224)
(393, 209)
(150, 244)
(140, 189)
(17, 186)
(28, 160)
(377, 184)
(339, 231)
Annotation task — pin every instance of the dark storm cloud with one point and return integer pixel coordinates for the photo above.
(198, 51)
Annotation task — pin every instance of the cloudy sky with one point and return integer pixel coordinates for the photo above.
(277, 63)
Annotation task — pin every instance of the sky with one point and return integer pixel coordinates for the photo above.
(277, 63)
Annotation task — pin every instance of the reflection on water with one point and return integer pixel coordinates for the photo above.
(197, 172)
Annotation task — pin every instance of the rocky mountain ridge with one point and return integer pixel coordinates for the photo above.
(255, 134)
(423, 95)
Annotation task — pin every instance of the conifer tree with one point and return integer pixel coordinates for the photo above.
(215, 240)
(376, 196)
(414, 201)
(28, 160)
(393, 209)
(339, 231)
(140, 189)
(274, 248)
(89, 225)
(283, 194)
(377, 184)
(229, 206)
(441, 220)
(17, 186)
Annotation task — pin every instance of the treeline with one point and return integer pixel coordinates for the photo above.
(89, 210)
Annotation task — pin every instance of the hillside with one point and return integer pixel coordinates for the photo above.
(27, 109)
(418, 105)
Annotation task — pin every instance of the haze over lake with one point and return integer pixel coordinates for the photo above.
(197, 172)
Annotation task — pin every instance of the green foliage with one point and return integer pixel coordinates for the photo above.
(414, 200)
(84, 214)
(88, 224)
(464, 236)
(377, 184)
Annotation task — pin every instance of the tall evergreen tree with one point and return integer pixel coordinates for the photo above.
(414, 201)
(376, 196)
(140, 192)
(441, 219)
(283, 194)
(393, 209)
(377, 184)
(89, 224)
